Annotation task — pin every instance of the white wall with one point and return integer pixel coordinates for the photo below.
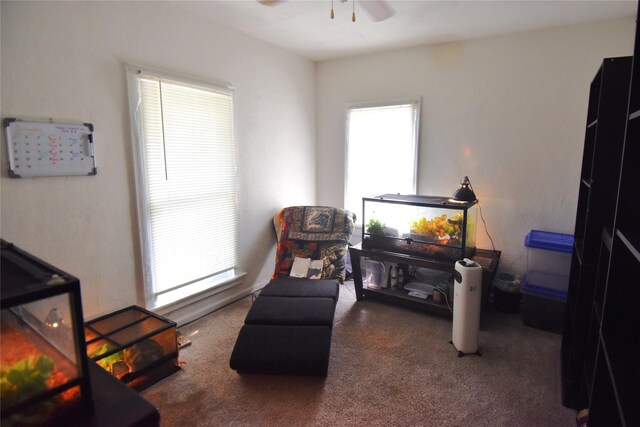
(66, 61)
(507, 111)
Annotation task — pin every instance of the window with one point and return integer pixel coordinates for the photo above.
(382, 150)
(185, 166)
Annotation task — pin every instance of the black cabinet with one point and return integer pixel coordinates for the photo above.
(604, 140)
(600, 359)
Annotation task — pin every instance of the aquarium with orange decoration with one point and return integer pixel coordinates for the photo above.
(425, 226)
(43, 363)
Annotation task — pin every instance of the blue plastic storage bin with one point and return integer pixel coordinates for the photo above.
(548, 240)
(548, 259)
(544, 287)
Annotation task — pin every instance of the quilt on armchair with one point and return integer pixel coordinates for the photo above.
(316, 232)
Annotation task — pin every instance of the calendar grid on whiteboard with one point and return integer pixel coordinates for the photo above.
(38, 148)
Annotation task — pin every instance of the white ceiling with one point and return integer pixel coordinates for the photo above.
(304, 26)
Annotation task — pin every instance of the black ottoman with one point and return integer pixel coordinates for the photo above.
(288, 329)
(291, 311)
(278, 349)
(302, 288)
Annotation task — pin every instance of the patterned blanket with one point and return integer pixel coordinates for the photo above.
(316, 232)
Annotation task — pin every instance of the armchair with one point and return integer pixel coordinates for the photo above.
(288, 328)
(316, 232)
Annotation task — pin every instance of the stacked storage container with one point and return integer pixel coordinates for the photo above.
(544, 288)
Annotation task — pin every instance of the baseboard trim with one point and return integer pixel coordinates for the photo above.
(197, 309)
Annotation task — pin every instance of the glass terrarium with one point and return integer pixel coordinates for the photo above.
(425, 226)
(134, 345)
(44, 373)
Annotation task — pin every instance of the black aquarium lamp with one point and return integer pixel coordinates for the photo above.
(465, 193)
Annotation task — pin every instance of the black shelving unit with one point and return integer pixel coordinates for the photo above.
(604, 140)
(607, 375)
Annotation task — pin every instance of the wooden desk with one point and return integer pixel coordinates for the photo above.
(488, 259)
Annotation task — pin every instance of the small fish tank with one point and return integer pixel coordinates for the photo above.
(135, 345)
(425, 226)
(43, 366)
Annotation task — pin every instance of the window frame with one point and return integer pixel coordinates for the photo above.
(199, 288)
(416, 137)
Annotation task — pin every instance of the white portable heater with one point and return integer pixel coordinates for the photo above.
(466, 306)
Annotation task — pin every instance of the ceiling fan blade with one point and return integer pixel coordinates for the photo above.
(271, 2)
(379, 10)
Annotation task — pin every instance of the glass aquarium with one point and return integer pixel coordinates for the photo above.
(425, 226)
(134, 345)
(43, 363)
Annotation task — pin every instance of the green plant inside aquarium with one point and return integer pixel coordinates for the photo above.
(375, 227)
(24, 379)
(107, 362)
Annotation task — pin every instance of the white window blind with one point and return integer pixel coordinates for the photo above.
(382, 150)
(186, 169)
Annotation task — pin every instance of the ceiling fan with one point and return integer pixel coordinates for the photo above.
(379, 10)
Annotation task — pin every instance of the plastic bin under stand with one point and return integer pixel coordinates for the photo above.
(543, 307)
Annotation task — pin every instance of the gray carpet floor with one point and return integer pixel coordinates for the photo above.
(389, 366)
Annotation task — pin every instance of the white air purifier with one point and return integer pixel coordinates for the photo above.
(466, 306)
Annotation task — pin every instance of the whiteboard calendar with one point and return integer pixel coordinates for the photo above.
(49, 148)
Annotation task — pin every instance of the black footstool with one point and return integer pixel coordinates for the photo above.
(291, 311)
(302, 288)
(279, 349)
(288, 329)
